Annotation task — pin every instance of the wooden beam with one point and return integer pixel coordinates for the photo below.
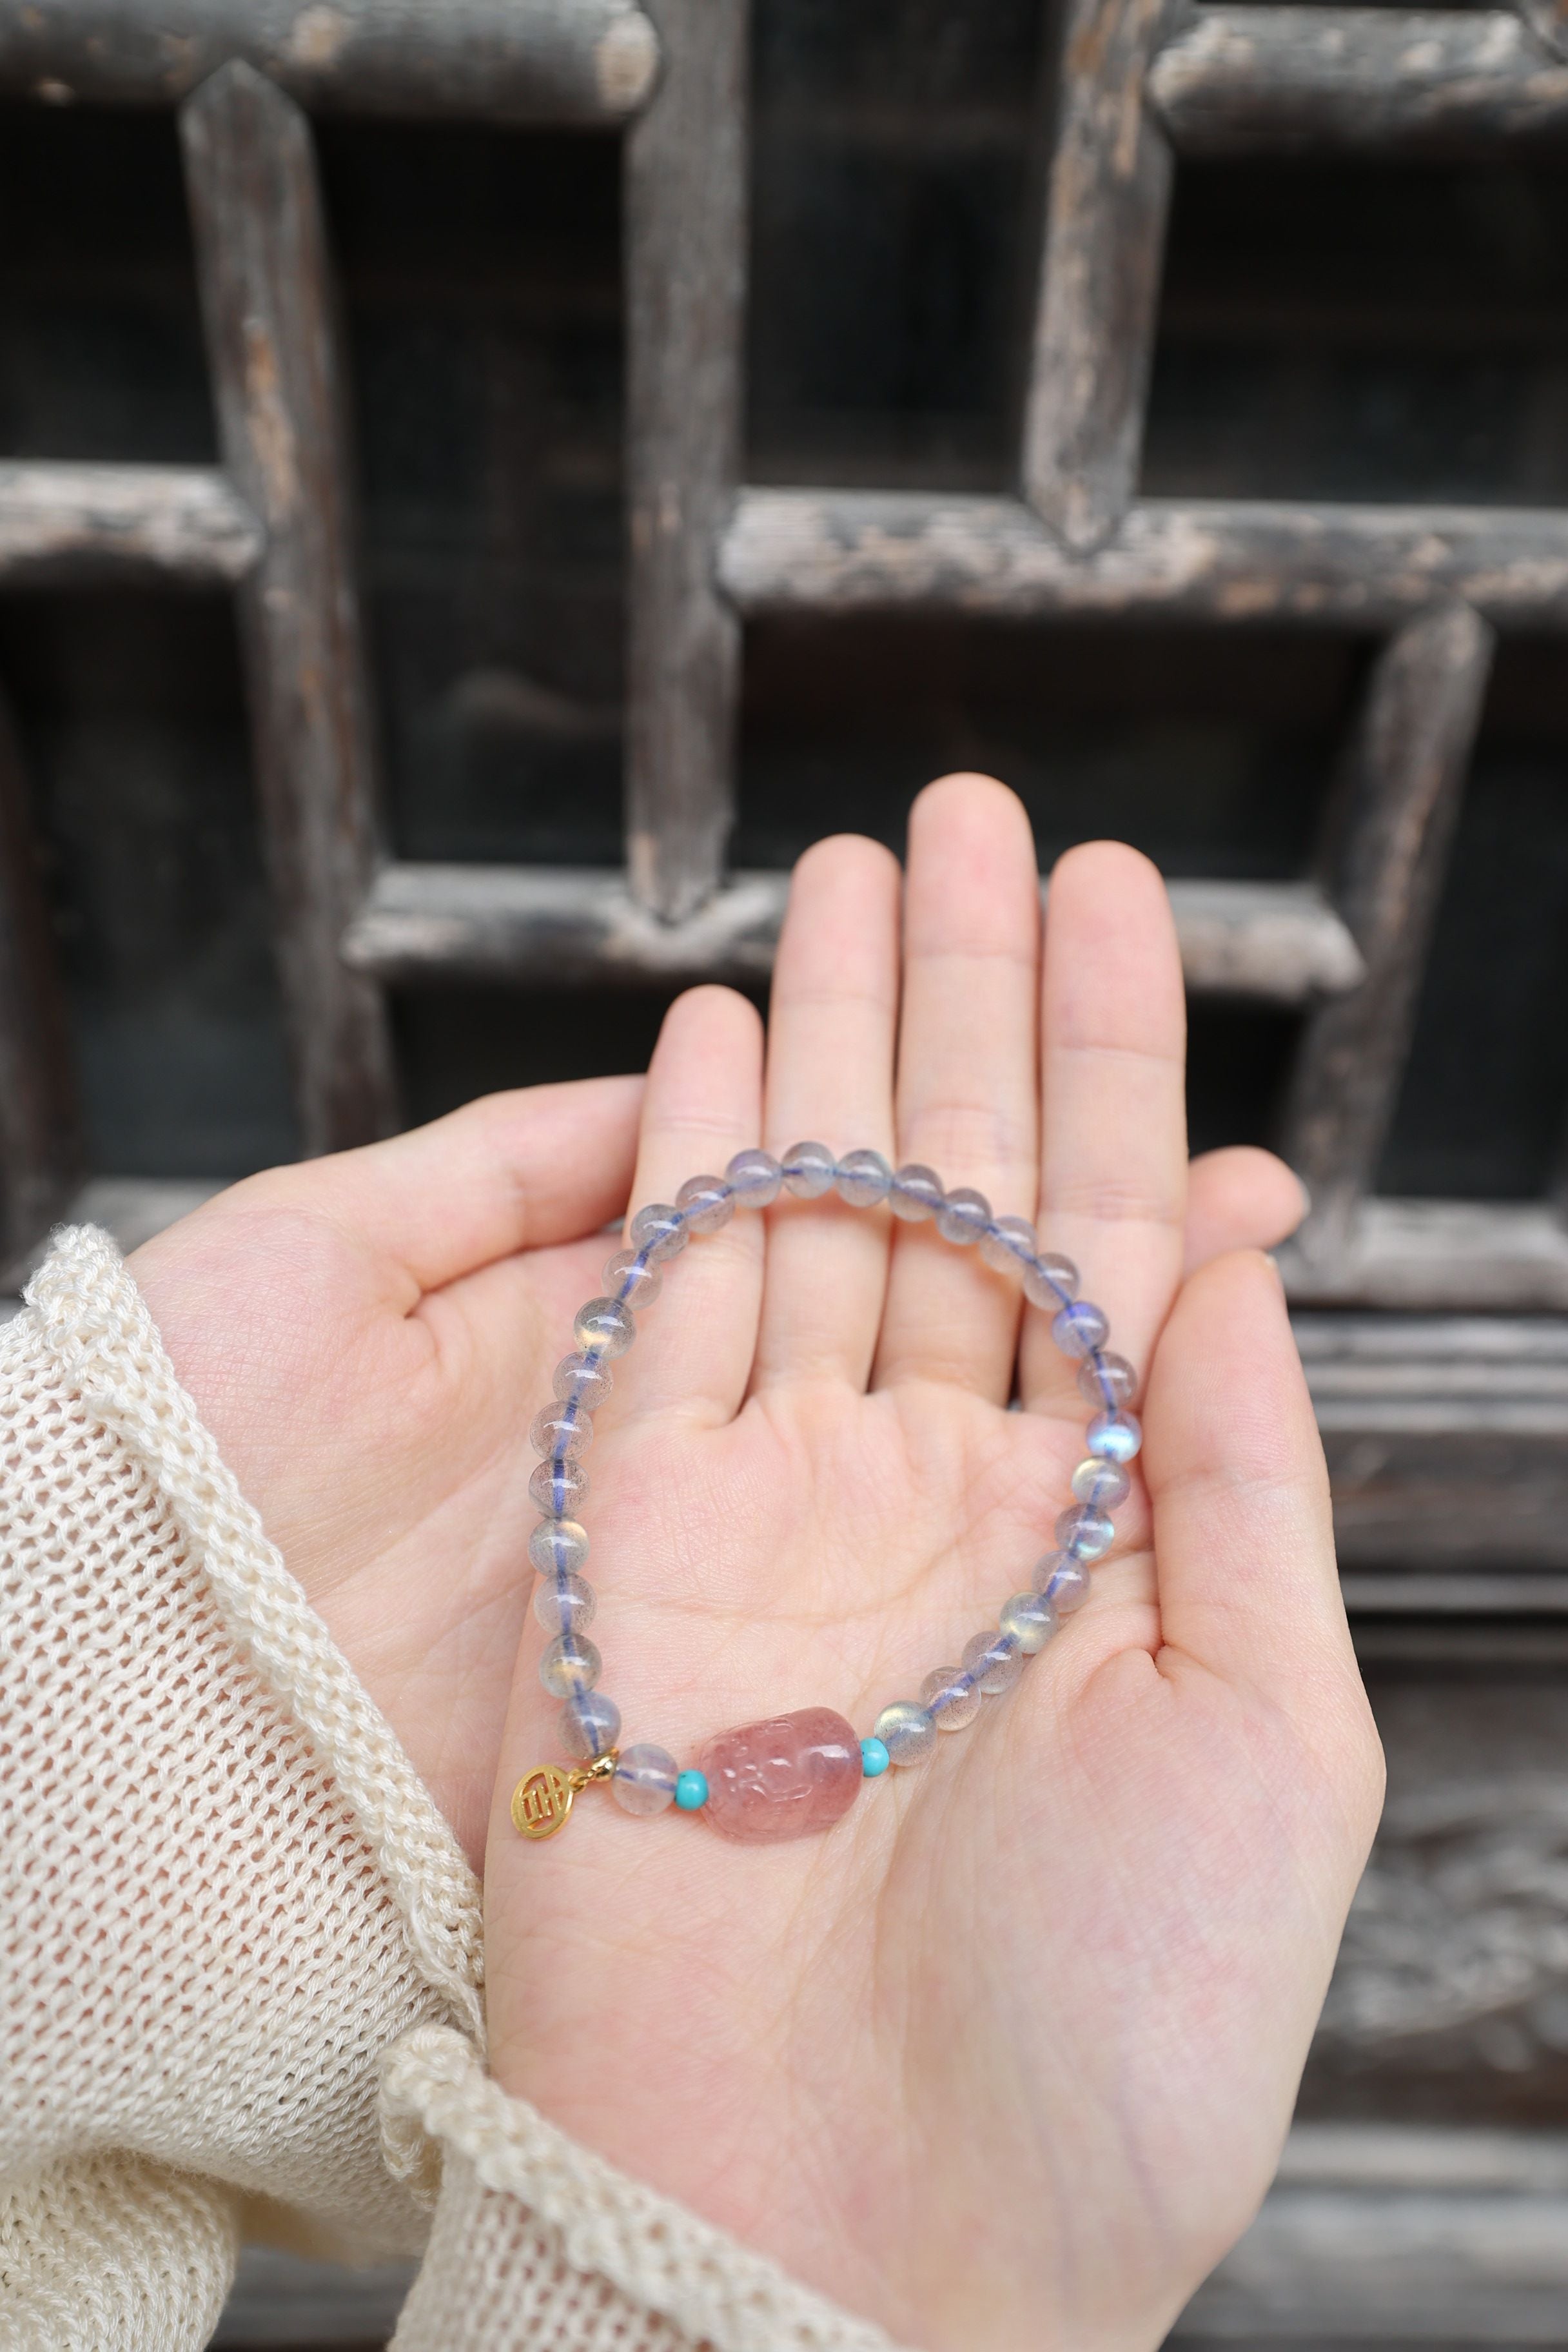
(41, 1135)
(1447, 1438)
(1218, 560)
(553, 926)
(1245, 81)
(686, 190)
(1405, 775)
(1108, 195)
(1446, 1256)
(61, 525)
(267, 300)
(1379, 2234)
(535, 61)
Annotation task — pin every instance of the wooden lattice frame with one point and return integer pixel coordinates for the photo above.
(1136, 84)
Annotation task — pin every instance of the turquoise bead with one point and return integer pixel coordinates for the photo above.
(874, 1758)
(691, 1791)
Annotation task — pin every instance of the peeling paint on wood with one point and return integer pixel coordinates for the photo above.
(555, 924)
(1109, 194)
(267, 299)
(64, 523)
(524, 62)
(1245, 81)
(1458, 1255)
(686, 213)
(1242, 560)
(1405, 772)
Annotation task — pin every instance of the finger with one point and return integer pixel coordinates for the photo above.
(1240, 1198)
(513, 1171)
(1113, 1163)
(1238, 1486)
(830, 1080)
(968, 1075)
(703, 1104)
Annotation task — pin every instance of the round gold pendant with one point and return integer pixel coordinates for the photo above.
(542, 1801)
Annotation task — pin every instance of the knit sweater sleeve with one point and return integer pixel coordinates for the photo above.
(243, 1949)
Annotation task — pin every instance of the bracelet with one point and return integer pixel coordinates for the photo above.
(794, 1774)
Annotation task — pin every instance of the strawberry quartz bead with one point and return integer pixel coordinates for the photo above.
(785, 1778)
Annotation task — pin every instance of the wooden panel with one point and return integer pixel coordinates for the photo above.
(686, 216)
(63, 524)
(40, 1142)
(1220, 560)
(1454, 1254)
(1108, 195)
(510, 60)
(1404, 773)
(1244, 80)
(1400, 2237)
(1447, 1446)
(268, 303)
(550, 925)
(1449, 1997)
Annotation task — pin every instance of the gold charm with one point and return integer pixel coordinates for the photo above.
(542, 1801)
(542, 1798)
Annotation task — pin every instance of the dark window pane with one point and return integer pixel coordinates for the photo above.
(1354, 329)
(100, 342)
(130, 719)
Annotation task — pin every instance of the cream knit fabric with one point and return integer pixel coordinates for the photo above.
(227, 1905)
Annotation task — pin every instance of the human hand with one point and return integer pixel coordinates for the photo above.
(1005, 2058)
(366, 1336)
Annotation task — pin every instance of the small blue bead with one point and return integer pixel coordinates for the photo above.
(691, 1791)
(874, 1758)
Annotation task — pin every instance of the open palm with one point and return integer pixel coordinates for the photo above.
(1005, 2058)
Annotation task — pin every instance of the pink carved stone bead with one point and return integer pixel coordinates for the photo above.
(785, 1778)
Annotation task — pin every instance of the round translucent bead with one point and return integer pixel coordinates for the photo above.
(645, 1778)
(563, 1604)
(906, 1731)
(691, 1791)
(659, 1230)
(1008, 1245)
(1030, 1618)
(874, 1758)
(995, 1661)
(630, 1277)
(755, 1177)
(809, 1170)
(1107, 1380)
(558, 1487)
(1063, 1579)
(1051, 1281)
(605, 1324)
(1080, 1328)
(1085, 1533)
(951, 1698)
(590, 1723)
(585, 1378)
(916, 1193)
(568, 1665)
(864, 1178)
(1105, 1484)
(963, 1216)
(560, 1430)
(558, 1547)
(1114, 1437)
(706, 1201)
